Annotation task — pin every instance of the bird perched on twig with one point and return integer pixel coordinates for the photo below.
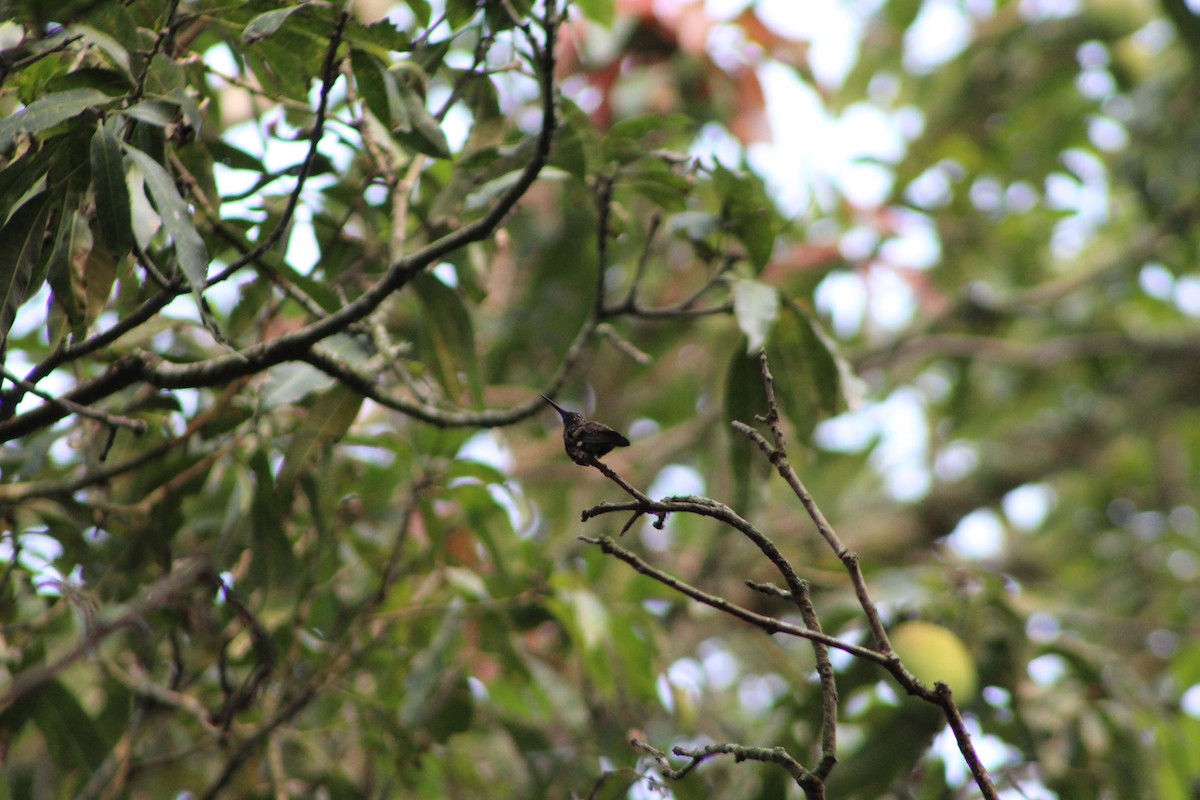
(585, 439)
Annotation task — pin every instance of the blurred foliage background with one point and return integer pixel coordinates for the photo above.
(317, 535)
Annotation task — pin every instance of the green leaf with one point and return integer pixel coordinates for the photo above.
(431, 670)
(383, 37)
(603, 12)
(327, 421)
(177, 219)
(589, 617)
(756, 307)
(234, 157)
(21, 244)
(744, 399)
(812, 381)
(653, 178)
(748, 210)
(460, 12)
(488, 123)
(372, 80)
(24, 177)
(625, 140)
(449, 335)
(99, 274)
(901, 13)
(274, 561)
(421, 132)
(111, 82)
(66, 271)
(116, 53)
(474, 470)
(292, 381)
(576, 145)
(165, 77)
(48, 112)
(73, 742)
(503, 15)
(282, 65)
(267, 24)
(111, 192)
(152, 112)
(486, 194)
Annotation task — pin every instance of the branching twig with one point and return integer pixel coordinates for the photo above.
(811, 783)
(761, 621)
(940, 695)
(112, 420)
(16, 492)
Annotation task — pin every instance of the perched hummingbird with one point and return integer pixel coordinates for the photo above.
(584, 439)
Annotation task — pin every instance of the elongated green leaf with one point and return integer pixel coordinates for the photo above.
(153, 112)
(25, 176)
(369, 76)
(425, 135)
(48, 112)
(797, 372)
(577, 144)
(73, 741)
(112, 82)
(397, 117)
(117, 54)
(177, 219)
(233, 157)
(327, 421)
(748, 210)
(66, 271)
(744, 399)
(450, 336)
(99, 274)
(274, 561)
(267, 24)
(486, 194)
(21, 244)
(813, 381)
(112, 194)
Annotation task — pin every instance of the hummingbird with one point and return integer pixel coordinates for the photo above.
(585, 439)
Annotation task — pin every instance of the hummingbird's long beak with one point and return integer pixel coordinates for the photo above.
(557, 407)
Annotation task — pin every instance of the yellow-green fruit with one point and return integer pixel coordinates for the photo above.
(934, 653)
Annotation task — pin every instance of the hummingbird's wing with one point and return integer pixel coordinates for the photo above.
(594, 433)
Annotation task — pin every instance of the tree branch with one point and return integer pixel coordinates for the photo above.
(812, 785)
(940, 696)
(770, 625)
(294, 346)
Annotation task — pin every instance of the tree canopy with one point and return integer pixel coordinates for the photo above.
(904, 337)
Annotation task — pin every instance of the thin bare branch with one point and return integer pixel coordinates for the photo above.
(940, 696)
(765, 623)
(112, 420)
